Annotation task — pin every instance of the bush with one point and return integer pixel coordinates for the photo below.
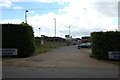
(20, 37)
(103, 42)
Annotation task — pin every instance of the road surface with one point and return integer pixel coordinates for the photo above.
(64, 62)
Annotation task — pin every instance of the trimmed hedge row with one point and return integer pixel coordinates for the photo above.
(103, 42)
(20, 37)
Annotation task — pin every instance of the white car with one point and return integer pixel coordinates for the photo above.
(84, 45)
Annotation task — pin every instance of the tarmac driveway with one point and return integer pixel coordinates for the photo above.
(64, 62)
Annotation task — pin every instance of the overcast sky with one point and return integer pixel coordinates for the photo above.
(83, 16)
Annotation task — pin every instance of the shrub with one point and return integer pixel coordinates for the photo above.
(103, 42)
(19, 36)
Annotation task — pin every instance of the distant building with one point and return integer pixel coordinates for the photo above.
(86, 39)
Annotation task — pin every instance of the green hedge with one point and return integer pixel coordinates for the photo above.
(103, 42)
(19, 36)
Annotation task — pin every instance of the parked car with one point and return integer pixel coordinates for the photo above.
(84, 45)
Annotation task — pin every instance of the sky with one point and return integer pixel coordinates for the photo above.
(83, 16)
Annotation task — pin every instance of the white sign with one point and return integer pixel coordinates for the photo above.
(114, 55)
(42, 42)
(7, 52)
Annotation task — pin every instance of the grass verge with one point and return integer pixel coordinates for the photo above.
(42, 48)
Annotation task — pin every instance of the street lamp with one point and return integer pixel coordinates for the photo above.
(26, 16)
(60, 33)
(69, 31)
(55, 26)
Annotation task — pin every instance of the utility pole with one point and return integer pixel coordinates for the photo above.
(48, 33)
(26, 16)
(55, 26)
(39, 32)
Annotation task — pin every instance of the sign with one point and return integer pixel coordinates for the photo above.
(114, 55)
(8, 52)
